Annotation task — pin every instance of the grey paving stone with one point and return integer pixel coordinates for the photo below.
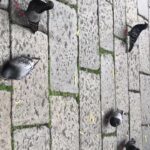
(90, 113)
(134, 67)
(4, 4)
(5, 121)
(4, 39)
(131, 12)
(88, 34)
(32, 138)
(106, 25)
(121, 76)
(143, 8)
(63, 49)
(30, 95)
(146, 137)
(119, 18)
(17, 14)
(135, 118)
(145, 95)
(144, 49)
(107, 89)
(109, 143)
(64, 123)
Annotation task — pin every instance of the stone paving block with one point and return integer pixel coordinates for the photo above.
(134, 66)
(64, 123)
(17, 14)
(5, 120)
(32, 139)
(106, 25)
(107, 89)
(4, 4)
(30, 98)
(63, 49)
(144, 49)
(131, 12)
(121, 75)
(88, 34)
(109, 143)
(146, 137)
(135, 118)
(145, 95)
(4, 40)
(119, 18)
(90, 113)
(143, 8)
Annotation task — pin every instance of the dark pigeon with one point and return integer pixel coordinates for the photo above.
(34, 11)
(18, 67)
(116, 118)
(134, 34)
(131, 145)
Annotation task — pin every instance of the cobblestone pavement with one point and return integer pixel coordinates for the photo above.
(84, 72)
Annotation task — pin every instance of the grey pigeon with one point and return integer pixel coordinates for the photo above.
(134, 34)
(34, 11)
(116, 118)
(130, 145)
(18, 67)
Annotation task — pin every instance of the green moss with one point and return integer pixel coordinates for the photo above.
(106, 52)
(29, 126)
(4, 87)
(78, 98)
(109, 134)
(90, 70)
(64, 94)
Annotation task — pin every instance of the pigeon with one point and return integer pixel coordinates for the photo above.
(34, 11)
(134, 34)
(116, 118)
(17, 68)
(130, 145)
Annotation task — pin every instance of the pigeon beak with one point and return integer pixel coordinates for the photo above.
(35, 60)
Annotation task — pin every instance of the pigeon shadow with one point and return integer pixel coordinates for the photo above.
(121, 145)
(107, 116)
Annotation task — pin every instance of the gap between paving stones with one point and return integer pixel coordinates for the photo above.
(64, 94)
(105, 52)
(31, 126)
(90, 70)
(113, 134)
(122, 39)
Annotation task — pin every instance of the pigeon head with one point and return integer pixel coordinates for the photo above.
(116, 118)
(8, 71)
(18, 67)
(50, 4)
(114, 121)
(145, 25)
(131, 145)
